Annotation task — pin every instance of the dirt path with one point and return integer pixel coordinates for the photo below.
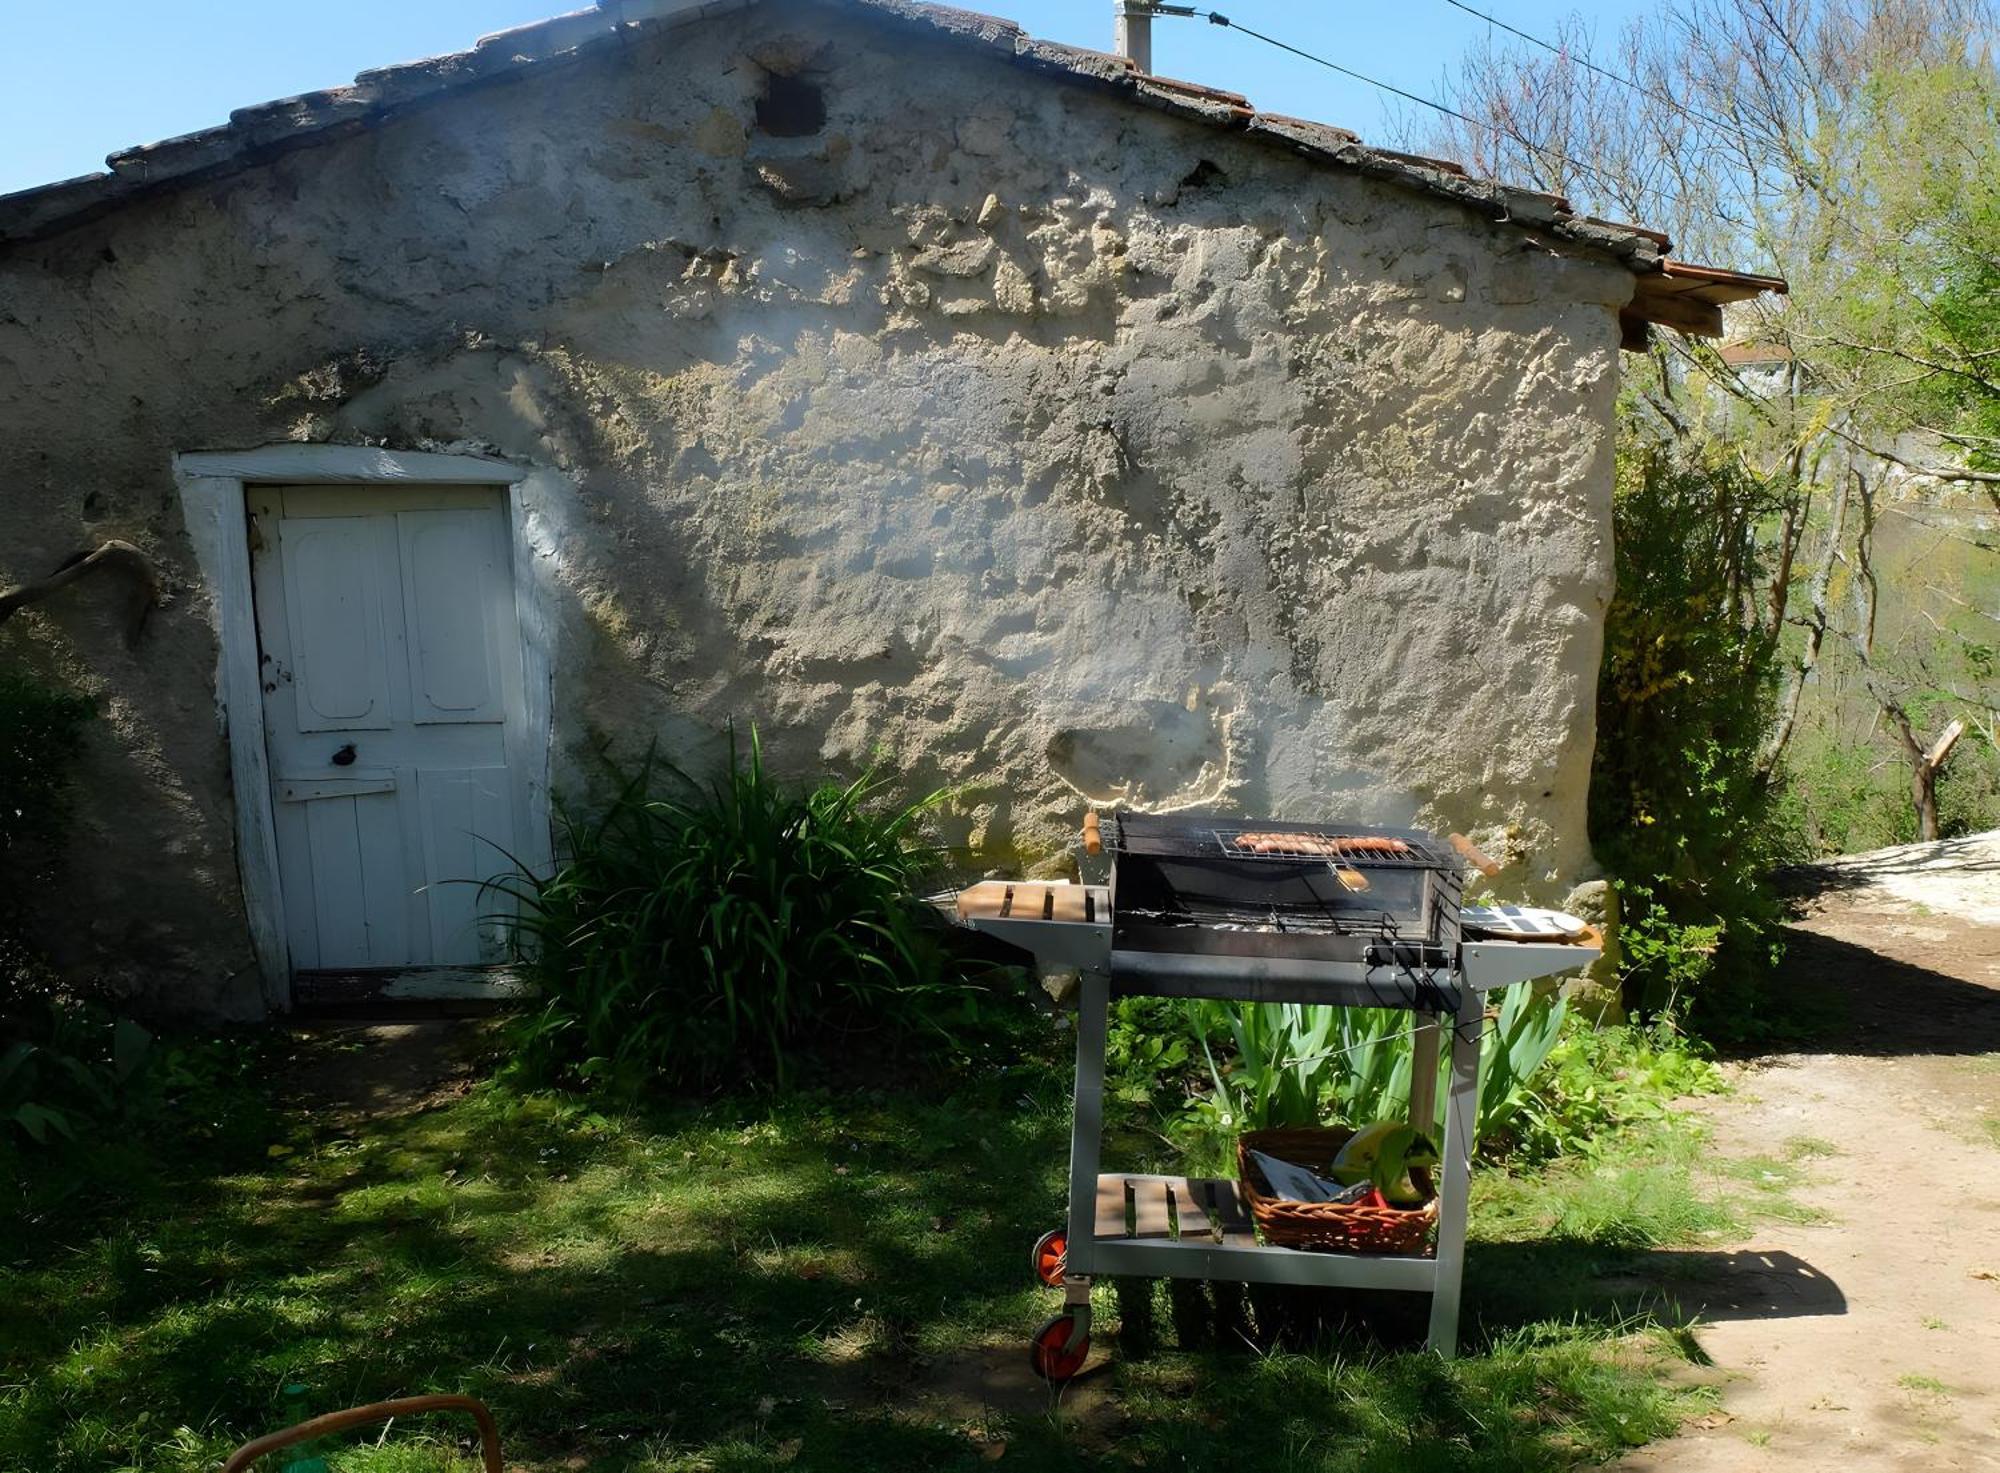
(363, 1069)
(1871, 1339)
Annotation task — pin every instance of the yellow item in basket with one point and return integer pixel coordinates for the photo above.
(1386, 1153)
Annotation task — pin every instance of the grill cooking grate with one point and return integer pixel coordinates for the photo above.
(1201, 837)
(1377, 851)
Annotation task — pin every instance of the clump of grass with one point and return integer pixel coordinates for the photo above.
(1639, 1190)
(1770, 1183)
(700, 938)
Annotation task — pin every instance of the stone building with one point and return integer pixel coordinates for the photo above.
(930, 395)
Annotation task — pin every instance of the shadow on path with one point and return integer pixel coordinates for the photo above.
(1859, 1001)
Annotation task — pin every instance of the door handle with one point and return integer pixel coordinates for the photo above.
(344, 757)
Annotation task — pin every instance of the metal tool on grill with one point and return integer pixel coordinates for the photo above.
(1203, 905)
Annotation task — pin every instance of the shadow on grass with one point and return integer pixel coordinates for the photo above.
(823, 1282)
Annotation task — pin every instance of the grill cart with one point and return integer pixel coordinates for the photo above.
(1259, 911)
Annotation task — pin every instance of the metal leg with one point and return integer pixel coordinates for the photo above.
(1093, 1007)
(1460, 1114)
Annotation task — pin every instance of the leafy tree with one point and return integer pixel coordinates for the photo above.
(1853, 148)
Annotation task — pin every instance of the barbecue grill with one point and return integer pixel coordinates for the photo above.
(1206, 905)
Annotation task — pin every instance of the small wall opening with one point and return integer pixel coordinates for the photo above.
(1202, 175)
(791, 107)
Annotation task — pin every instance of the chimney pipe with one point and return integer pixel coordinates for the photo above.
(1135, 32)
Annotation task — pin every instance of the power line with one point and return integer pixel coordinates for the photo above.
(1583, 60)
(1545, 153)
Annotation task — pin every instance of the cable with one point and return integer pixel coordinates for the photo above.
(1584, 61)
(1488, 1027)
(1216, 18)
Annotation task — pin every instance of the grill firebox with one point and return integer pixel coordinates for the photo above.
(1330, 891)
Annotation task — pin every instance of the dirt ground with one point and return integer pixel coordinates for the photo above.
(1870, 1339)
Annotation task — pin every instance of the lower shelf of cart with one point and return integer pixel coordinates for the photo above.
(1253, 1263)
(1176, 1227)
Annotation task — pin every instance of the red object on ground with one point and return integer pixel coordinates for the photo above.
(1051, 1354)
(1052, 1257)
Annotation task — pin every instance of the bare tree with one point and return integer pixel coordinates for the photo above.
(1853, 147)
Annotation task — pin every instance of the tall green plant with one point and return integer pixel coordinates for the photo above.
(1681, 808)
(41, 732)
(713, 937)
(1294, 1064)
(63, 1064)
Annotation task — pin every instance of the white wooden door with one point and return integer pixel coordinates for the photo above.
(393, 710)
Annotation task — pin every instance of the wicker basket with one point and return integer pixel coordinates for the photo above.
(1330, 1227)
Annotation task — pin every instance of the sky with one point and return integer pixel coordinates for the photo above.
(83, 80)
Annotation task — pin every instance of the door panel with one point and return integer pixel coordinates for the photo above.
(359, 885)
(468, 836)
(389, 611)
(339, 667)
(449, 578)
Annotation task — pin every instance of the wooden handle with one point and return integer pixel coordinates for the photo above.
(1093, 837)
(381, 1411)
(1474, 856)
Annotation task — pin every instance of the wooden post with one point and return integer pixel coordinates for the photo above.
(1424, 1075)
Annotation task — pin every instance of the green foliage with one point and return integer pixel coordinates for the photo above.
(1148, 1054)
(1916, 315)
(63, 1065)
(41, 730)
(1680, 809)
(77, 1062)
(1289, 1064)
(1600, 1082)
(1284, 1064)
(1846, 779)
(713, 938)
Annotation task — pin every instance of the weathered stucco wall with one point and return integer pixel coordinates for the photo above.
(996, 430)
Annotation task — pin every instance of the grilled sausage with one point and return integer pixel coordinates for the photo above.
(1327, 845)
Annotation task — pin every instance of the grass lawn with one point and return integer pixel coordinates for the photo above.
(828, 1282)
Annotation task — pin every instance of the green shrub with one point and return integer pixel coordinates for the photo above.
(41, 731)
(1293, 1064)
(62, 1064)
(1598, 1079)
(717, 937)
(1680, 808)
(67, 1063)
(1842, 796)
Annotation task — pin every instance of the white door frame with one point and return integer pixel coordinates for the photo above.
(212, 505)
